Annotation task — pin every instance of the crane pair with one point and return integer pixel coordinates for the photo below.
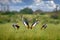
(26, 23)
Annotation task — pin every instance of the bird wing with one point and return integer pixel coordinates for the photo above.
(26, 23)
(34, 24)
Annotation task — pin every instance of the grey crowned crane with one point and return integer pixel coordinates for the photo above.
(25, 22)
(44, 26)
(16, 26)
(34, 23)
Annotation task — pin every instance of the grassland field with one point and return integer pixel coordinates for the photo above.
(52, 32)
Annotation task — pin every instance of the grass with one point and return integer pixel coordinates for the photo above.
(7, 32)
(52, 32)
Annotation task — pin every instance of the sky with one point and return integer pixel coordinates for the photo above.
(45, 5)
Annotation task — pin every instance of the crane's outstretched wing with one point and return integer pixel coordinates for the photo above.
(34, 24)
(25, 22)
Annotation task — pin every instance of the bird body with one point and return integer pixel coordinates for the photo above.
(44, 26)
(16, 26)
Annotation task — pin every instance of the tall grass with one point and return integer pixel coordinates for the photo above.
(7, 32)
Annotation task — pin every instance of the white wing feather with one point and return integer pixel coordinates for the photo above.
(25, 24)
